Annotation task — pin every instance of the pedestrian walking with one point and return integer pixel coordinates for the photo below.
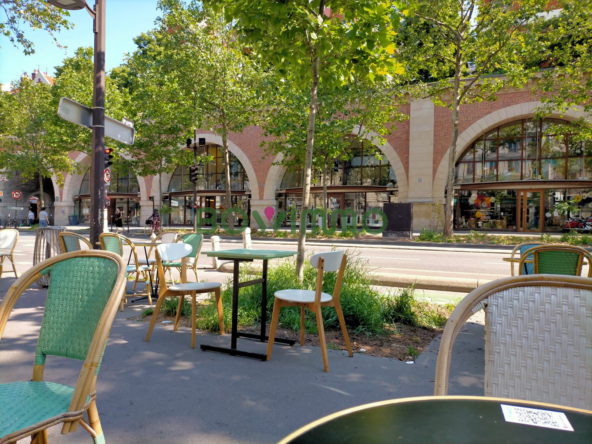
(31, 217)
(118, 218)
(43, 218)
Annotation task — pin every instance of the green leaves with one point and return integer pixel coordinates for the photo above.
(37, 14)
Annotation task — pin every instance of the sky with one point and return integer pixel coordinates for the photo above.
(126, 19)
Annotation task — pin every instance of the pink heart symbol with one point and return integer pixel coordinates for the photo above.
(269, 212)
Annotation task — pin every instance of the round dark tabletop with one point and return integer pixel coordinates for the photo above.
(451, 419)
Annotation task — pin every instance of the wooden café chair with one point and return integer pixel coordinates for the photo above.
(180, 252)
(313, 300)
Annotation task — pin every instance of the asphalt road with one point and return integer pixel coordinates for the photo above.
(460, 263)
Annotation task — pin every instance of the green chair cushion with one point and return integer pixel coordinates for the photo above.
(24, 404)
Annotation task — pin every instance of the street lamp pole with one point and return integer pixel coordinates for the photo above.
(97, 182)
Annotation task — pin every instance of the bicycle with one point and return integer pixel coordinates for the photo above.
(152, 227)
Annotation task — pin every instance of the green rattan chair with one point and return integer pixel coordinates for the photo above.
(114, 243)
(82, 299)
(73, 242)
(556, 259)
(196, 242)
(519, 251)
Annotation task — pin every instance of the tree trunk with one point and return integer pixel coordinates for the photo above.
(325, 201)
(449, 206)
(312, 114)
(230, 219)
(41, 200)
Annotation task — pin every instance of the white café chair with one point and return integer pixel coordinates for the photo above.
(175, 252)
(165, 238)
(8, 239)
(314, 300)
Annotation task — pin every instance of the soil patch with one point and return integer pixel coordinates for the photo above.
(402, 342)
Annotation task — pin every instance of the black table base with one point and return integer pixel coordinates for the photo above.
(262, 337)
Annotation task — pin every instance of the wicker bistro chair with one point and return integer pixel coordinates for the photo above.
(175, 252)
(518, 251)
(538, 345)
(8, 239)
(557, 259)
(73, 242)
(196, 242)
(114, 243)
(82, 299)
(314, 300)
(165, 238)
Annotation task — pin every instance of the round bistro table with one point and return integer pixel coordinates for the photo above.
(441, 419)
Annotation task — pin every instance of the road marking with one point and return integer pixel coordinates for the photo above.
(391, 258)
(418, 271)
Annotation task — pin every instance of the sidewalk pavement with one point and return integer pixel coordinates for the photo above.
(165, 391)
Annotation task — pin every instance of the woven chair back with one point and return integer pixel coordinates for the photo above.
(195, 241)
(538, 339)
(167, 238)
(78, 293)
(71, 243)
(557, 259)
(112, 243)
(8, 238)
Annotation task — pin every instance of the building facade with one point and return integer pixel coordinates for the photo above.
(511, 172)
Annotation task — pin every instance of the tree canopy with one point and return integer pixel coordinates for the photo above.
(37, 14)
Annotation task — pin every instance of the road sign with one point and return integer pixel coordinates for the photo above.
(81, 115)
(16, 208)
(17, 195)
(33, 200)
(107, 176)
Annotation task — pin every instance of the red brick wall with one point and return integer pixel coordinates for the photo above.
(469, 114)
(399, 139)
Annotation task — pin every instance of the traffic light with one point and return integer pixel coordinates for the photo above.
(193, 174)
(108, 157)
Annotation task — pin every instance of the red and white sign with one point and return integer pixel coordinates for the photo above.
(17, 195)
(33, 200)
(107, 176)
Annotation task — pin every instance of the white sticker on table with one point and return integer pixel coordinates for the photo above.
(536, 417)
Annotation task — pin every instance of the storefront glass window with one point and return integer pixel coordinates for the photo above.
(526, 150)
(211, 175)
(487, 209)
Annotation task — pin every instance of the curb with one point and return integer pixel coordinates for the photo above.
(439, 283)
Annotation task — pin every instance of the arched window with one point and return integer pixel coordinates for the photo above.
(120, 183)
(211, 174)
(366, 165)
(526, 150)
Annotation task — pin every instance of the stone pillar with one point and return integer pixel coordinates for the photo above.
(61, 211)
(421, 164)
(260, 205)
(146, 211)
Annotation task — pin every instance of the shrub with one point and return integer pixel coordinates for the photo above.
(361, 304)
(403, 308)
(169, 307)
(429, 236)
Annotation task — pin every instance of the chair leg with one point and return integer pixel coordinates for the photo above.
(220, 309)
(136, 283)
(193, 315)
(40, 437)
(179, 310)
(196, 276)
(343, 329)
(302, 326)
(275, 317)
(95, 423)
(14, 269)
(322, 340)
(154, 316)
